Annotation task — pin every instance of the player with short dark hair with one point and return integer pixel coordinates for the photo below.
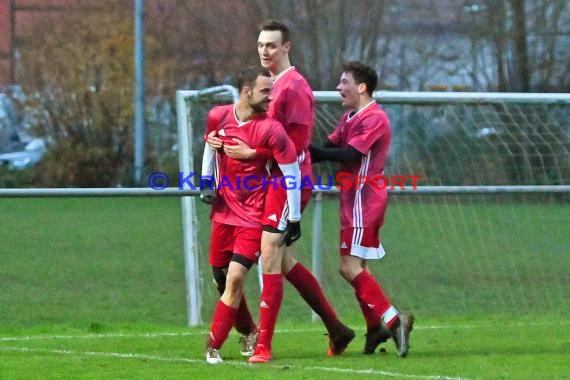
(238, 205)
(360, 144)
(293, 106)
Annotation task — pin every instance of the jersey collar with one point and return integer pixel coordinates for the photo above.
(239, 122)
(282, 73)
(352, 114)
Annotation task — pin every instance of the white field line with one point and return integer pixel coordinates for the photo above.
(166, 334)
(227, 362)
(204, 332)
(100, 336)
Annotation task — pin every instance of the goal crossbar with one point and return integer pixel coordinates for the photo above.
(417, 97)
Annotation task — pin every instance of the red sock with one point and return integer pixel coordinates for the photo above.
(244, 321)
(370, 294)
(372, 321)
(271, 298)
(222, 322)
(310, 289)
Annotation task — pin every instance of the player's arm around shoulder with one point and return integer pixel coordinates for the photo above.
(278, 141)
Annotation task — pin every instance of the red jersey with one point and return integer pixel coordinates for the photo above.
(294, 106)
(368, 131)
(241, 184)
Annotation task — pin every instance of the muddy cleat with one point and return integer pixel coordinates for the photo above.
(340, 340)
(375, 337)
(401, 334)
(248, 343)
(213, 356)
(261, 355)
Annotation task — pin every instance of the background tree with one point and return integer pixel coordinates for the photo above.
(81, 70)
(530, 41)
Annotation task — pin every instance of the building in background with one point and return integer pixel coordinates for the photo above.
(5, 45)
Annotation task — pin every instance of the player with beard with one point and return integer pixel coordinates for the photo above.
(238, 206)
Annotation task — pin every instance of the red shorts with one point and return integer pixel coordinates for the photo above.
(276, 211)
(227, 240)
(361, 242)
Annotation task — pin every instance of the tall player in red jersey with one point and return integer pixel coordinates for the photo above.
(293, 106)
(237, 209)
(360, 143)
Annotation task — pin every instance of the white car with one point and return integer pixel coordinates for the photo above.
(32, 154)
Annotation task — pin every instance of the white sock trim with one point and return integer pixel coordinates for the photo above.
(389, 314)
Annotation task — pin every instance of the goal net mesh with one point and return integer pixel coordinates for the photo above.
(460, 254)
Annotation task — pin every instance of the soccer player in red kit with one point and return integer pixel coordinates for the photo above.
(360, 143)
(293, 106)
(241, 190)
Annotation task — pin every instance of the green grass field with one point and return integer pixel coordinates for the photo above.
(94, 289)
(458, 350)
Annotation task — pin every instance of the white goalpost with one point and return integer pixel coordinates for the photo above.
(189, 220)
